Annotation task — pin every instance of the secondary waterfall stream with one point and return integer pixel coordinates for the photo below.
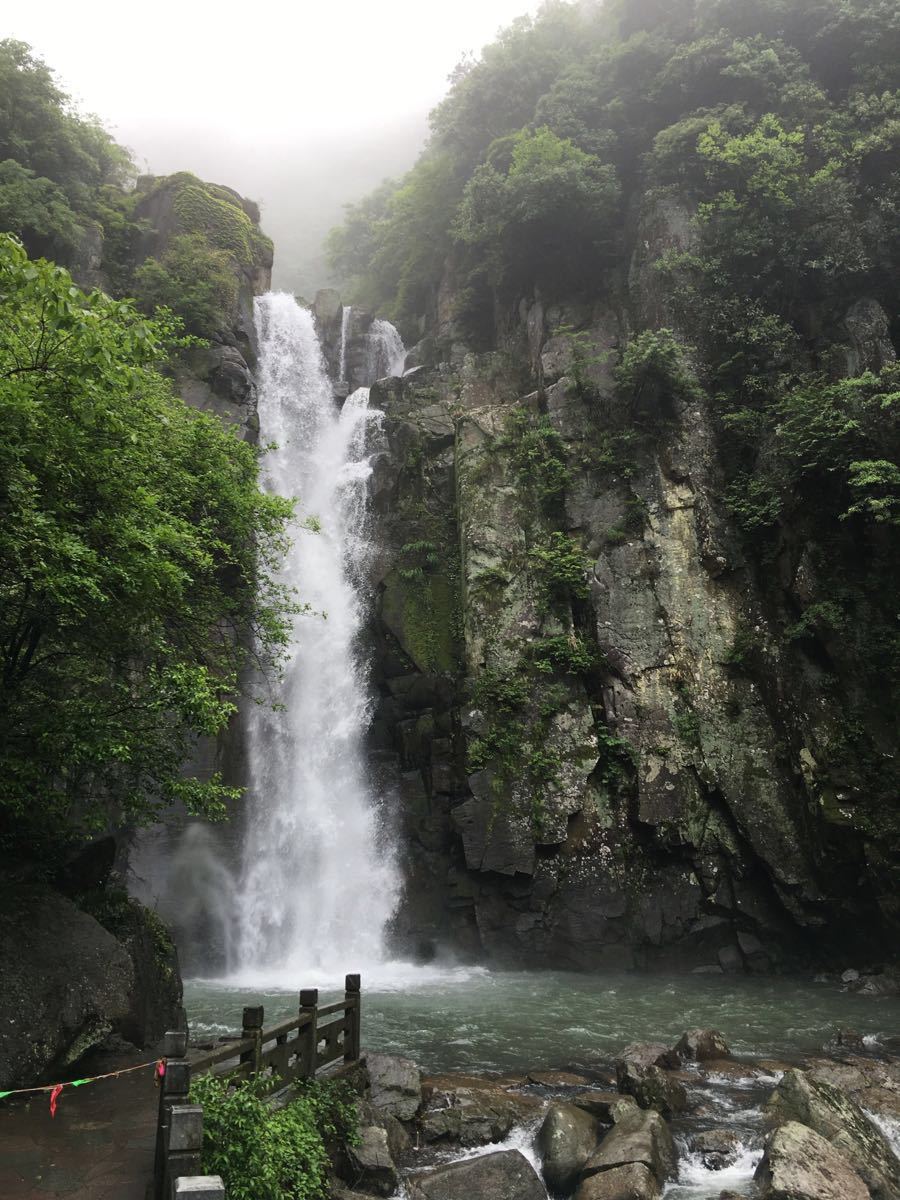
(318, 880)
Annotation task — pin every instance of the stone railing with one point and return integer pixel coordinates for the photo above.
(317, 1037)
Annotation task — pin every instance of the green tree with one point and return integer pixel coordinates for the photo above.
(63, 159)
(544, 216)
(38, 212)
(137, 559)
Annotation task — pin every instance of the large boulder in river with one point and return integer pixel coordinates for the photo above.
(504, 1175)
(637, 1137)
(395, 1085)
(65, 984)
(640, 1073)
(798, 1164)
(836, 1117)
(471, 1111)
(702, 1045)
(605, 1107)
(629, 1182)
(566, 1140)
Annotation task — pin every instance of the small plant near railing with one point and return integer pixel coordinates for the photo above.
(263, 1153)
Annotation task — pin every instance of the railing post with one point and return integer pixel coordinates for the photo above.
(199, 1187)
(252, 1027)
(309, 1002)
(353, 999)
(184, 1143)
(174, 1090)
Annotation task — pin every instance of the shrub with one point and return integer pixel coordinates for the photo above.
(539, 457)
(193, 279)
(264, 1154)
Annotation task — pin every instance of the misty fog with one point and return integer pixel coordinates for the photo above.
(304, 108)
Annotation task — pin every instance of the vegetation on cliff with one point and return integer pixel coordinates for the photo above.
(777, 128)
(679, 223)
(780, 122)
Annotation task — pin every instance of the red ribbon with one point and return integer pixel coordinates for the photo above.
(54, 1096)
(160, 1070)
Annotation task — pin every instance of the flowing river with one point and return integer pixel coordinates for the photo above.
(468, 1018)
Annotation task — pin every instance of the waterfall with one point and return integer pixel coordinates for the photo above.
(318, 881)
(345, 332)
(385, 352)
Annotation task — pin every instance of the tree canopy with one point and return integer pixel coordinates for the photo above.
(137, 559)
(54, 163)
(779, 118)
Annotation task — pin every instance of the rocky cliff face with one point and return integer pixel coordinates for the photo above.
(217, 378)
(607, 751)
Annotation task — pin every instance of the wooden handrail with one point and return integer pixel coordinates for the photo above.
(315, 1044)
(233, 1050)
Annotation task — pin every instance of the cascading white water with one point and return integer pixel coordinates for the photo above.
(345, 333)
(319, 881)
(385, 352)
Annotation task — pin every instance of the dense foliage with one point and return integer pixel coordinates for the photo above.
(770, 131)
(59, 172)
(780, 120)
(263, 1153)
(67, 192)
(136, 562)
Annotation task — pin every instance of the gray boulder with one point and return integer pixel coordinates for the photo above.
(702, 1045)
(398, 1138)
(650, 1054)
(157, 993)
(395, 1085)
(566, 1140)
(639, 1073)
(629, 1182)
(472, 1115)
(327, 306)
(718, 1148)
(504, 1175)
(65, 984)
(836, 1117)
(798, 1164)
(369, 1164)
(637, 1137)
(603, 1106)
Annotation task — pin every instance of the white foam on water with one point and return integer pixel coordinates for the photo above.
(521, 1138)
(378, 977)
(696, 1181)
(889, 1126)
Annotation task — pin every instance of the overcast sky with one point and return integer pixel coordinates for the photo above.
(256, 69)
(275, 99)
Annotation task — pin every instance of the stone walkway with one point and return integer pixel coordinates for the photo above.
(99, 1146)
